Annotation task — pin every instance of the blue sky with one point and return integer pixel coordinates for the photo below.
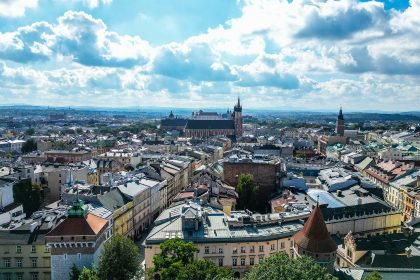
(315, 54)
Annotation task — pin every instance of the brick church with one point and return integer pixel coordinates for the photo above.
(207, 124)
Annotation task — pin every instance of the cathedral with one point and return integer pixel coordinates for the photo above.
(204, 124)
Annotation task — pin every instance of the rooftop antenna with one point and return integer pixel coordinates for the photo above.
(317, 200)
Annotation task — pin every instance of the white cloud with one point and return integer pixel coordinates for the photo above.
(275, 54)
(77, 35)
(16, 8)
(95, 3)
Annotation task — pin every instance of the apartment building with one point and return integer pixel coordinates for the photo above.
(237, 241)
(24, 254)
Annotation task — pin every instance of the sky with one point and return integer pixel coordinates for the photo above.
(285, 54)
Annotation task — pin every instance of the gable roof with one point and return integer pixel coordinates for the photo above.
(113, 200)
(210, 124)
(71, 226)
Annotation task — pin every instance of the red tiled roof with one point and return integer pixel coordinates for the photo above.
(71, 226)
(314, 237)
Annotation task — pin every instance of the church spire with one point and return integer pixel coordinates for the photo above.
(340, 114)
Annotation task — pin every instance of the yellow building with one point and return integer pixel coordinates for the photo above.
(23, 253)
(122, 211)
(123, 220)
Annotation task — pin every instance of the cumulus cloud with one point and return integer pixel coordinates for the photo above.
(16, 8)
(340, 19)
(77, 35)
(277, 52)
(95, 3)
(197, 62)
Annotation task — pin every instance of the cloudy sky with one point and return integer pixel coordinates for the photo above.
(313, 54)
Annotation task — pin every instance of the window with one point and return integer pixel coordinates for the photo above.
(65, 256)
(18, 249)
(261, 248)
(206, 250)
(273, 247)
(252, 249)
(46, 249)
(6, 263)
(33, 249)
(281, 245)
(19, 276)
(79, 256)
(243, 250)
(18, 262)
(260, 258)
(34, 262)
(34, 276)
(59, 181)
(220, 261)
(7, 276)
(234, 251)
(251, 261)
(234, 262)
(242, 261)
(220, 250)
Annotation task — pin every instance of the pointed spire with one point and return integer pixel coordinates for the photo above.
(239, 102)
(314, 237)
(340, 114)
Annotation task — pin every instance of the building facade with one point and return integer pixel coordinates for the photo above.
(237, 241)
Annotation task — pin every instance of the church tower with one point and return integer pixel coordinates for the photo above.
(237, 117)
(339, 126)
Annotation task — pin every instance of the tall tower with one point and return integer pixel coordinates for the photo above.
(339, 125)
(237, 117)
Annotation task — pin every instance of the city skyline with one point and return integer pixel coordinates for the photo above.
(319, 55)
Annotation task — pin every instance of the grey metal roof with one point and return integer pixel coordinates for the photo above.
(216, 228)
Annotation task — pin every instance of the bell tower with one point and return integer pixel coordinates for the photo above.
(237, 117)
(339, 125)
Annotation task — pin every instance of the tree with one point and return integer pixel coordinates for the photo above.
(120, 259)
(29, 146)
(27, 194)
(79, 130)
(74, 273)
(246, 190)
(176, 262)
(89, 274)
(281, 266)
(30, 131)
(374, 276)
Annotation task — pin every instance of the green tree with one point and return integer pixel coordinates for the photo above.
(27, 194)
(120, 259)
(176, 262)
(30, 131)
(374, 276)
(79, 130)
(89, 274)
(246, 190)
(281, 266)
(29, 146)
(74, 273)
